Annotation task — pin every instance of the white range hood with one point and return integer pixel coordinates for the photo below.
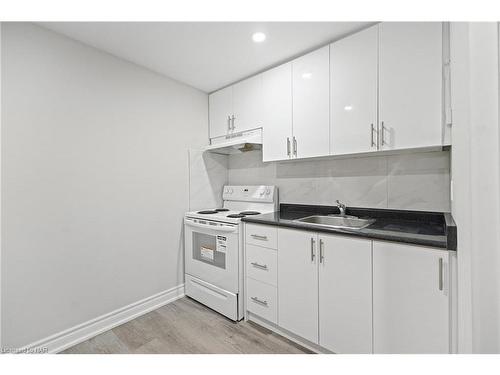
(236, 143)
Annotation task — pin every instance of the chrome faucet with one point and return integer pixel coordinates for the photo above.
(341, 207)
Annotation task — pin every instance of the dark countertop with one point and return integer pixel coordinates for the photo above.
(434, 229)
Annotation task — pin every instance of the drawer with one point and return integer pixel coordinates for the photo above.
(261, 235)
(262, 264)
(262, 300)
(214, 297)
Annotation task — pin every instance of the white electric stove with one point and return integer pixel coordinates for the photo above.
(214, 247)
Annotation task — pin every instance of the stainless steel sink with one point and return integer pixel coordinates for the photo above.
(349, 222)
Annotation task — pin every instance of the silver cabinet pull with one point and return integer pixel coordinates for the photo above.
(228, 123)
(313, 251)
(258, 237)
(440, 273)
(288, 146)
(259, 301)
(373, 144)
(382, 138)
(260, 266)
(294, 146)
(321, 251)
(232, 121)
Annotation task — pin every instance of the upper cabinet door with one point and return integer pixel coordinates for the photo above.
(410, 299)
(353, 85)
(345, 294)
(277, 113)
(247, 104)
(410, 92)
(220, 111)
(311, 104)
(298, 282)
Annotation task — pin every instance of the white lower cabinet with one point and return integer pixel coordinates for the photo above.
(324, 289)
(352, 295)
(410, 299)
(298, 282)
(345, 294)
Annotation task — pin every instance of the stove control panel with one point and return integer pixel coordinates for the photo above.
(259, 193)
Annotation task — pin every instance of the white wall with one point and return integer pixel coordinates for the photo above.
(413, 181)
(476, 182)
(94, 181)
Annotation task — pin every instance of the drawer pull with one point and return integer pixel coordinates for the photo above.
(260, 266)
(260, 302)
(258, 237)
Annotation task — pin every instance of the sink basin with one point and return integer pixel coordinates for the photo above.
(350, 222)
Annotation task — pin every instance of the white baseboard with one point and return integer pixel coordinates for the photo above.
(77, 334)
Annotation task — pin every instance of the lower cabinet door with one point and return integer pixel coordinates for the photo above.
(298, 283)
(410, 299)
(345, 294)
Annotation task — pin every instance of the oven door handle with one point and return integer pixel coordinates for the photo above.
(217, 228)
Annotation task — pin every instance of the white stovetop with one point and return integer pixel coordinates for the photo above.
(222, 216)
(236, 199)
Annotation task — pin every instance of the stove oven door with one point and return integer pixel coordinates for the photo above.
(211, 252)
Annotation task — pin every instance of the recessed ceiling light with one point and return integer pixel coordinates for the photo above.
(307, 75)
(348, 108)
(258, 37)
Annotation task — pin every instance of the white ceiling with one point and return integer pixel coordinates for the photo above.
(205, 55)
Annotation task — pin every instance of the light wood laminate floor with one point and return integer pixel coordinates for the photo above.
(185, 326)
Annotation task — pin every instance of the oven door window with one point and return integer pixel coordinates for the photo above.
(210, 249)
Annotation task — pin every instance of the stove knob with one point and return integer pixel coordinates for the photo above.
(268, 191)
(230, 191)
(226, 191)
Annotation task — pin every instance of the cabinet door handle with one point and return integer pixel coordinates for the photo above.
(440, 273)
(313, 251)
(321, 251)
(228, 123)
(258, 237)
(373, 144)
(294, 146)
(260, 266)
(382, 138)
(232, 121)
(288, 146)
(259, 301)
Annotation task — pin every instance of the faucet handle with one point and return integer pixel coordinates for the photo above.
(340, 204)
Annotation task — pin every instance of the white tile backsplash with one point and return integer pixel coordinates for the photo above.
(416, 181)
(422, 183)
(208, 173)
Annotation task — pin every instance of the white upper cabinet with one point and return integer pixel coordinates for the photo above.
(247, 104)
(220, 112)
(410, 299)
(353, 85)
(410, 89)
(311, 104)
(298, 283)
(345, 294)
(236, 108)
(277, 113)
(378, 89)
